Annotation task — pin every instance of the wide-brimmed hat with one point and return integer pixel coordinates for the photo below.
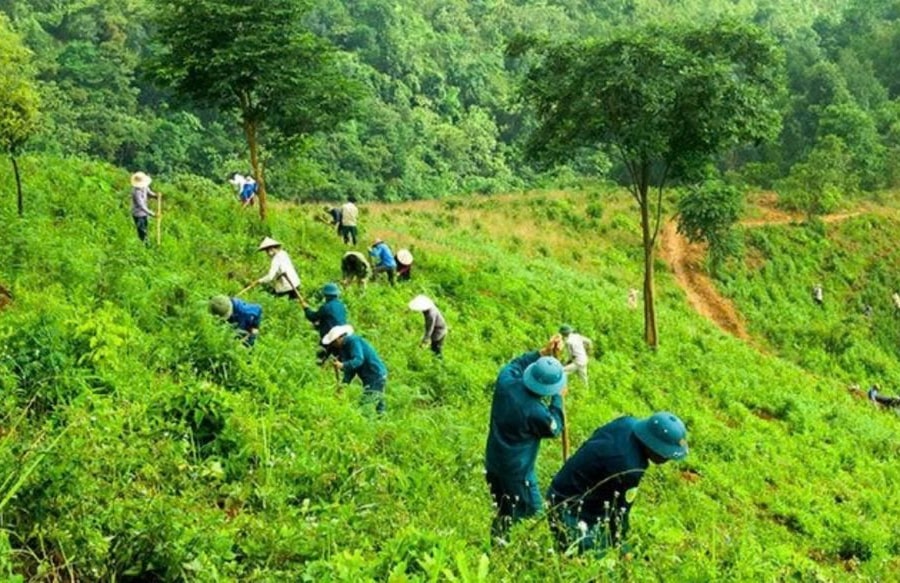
(336, 332)
(404, 257)
(268, 242)
(545, 376)
(221, 306)
(140, 180)
(664, 434)
(331, 290)
(377, 241)
(421, 303)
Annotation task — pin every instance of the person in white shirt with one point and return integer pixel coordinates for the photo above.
(578, 347)
(284, 278)
(349, 217)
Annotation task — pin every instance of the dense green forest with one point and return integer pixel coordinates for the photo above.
(439, 111)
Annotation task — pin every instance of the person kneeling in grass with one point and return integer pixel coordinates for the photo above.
(358, 357)
(244, 316)
(591, 495)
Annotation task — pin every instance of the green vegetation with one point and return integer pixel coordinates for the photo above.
(855, 262)
(707, 213)
(666, 100)
(256, 59)
(18, 100)
(140, 440)
(439, 110)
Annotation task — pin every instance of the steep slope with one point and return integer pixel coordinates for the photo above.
(140, 441)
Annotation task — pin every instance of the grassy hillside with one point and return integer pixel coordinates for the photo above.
(856, 261)
(140, 441)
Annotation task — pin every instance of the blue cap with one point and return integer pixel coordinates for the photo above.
(664, 434)
(331, 290)
(545, 376)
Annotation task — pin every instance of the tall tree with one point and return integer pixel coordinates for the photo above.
(666, 98)
(255, 58)
(18, 99)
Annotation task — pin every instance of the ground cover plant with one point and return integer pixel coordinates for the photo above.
(140, 441)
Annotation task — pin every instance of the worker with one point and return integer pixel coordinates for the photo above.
(874, 395)
(356, 357)
(384, 260)
(818, 295)
(349, 219)
(244, 316)
(591, 495)
(284, 278)
(632, 298)
(435, 325)
(331, 313)
(246, 188)
(355, 268)
(404, 261)
(578, 347)
(332, 216)
(519, 420)
(140, 212)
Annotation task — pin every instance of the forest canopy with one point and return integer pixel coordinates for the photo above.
(440, 111)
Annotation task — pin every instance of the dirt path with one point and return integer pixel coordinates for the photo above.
(685, 259)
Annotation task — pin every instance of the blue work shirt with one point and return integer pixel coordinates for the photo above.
(330, 314)
(605, 471)
(519, 420)
(245, 316)
(383, 255)
(359, 358)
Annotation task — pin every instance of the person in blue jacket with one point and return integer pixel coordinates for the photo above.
(356, 357)
(519, 421)
(244, 316)
(330, 314)
(384, 260)
(591, 495)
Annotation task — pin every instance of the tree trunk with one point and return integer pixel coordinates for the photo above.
(648, 241)
(19, 202)
(258, 171)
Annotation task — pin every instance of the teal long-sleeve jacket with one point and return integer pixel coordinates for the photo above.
(360, 359)
(519, 420)
(330, 314)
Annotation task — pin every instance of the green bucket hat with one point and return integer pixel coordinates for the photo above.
(566, 329)
(331, 290)
(221, 306)
(545, 377)
(664, 434)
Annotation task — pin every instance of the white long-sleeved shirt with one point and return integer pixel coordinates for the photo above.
(281, 264)
(576, 345)
(349, 214)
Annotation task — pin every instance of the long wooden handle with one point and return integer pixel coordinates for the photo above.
(158, 218)
(248, 288)
(300, 297)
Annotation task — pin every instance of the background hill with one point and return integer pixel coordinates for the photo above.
(440, 112)
(140, 441)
